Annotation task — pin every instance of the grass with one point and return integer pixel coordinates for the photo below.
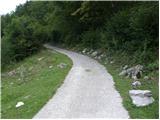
(38, 85)
(123, 85)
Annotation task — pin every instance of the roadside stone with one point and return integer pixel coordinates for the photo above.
(124, 72)
(146, 78)
(141, 98)
(136, 83)
(39, 59)
(11, 73)
(125, 67)
(50, 66)
(111, 62)
(19, 104)
(84, 51)
(94, 54)
(62, 65)
(133, 72)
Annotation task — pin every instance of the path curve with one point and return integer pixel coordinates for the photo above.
(87, 92)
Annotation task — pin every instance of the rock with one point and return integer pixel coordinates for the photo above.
(136, 83)
(19, 104)
(62, 65)
(11, 73)
(94, 54)
(146, 78)
(134, 77)
(125, 67)
(111, 62)
(26, 97)
(84, 51)
(99, 57)
(124, 72)
(39, 59)
(133, 72)
(50, 66)
(141, 97)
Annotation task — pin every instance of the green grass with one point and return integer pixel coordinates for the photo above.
(39, 85)
(123, 85)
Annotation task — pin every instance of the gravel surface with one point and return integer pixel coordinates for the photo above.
(87, 92)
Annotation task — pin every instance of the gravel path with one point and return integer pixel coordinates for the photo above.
(87, 92)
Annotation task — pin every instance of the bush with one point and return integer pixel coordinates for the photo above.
(135, 31)
(91, 39)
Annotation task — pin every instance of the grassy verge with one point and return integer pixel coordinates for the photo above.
(123, 85)
(35, 86)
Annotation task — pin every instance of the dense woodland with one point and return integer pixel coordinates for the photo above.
(129, 28)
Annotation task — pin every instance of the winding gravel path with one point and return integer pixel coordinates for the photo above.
(87, 92)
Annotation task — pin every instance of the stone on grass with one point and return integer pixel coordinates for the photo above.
(111, 62)
(136, 83)
(146, 78)
(19, 104)
(11, 73)
(125, 67)
(141, 98)
(62, 65)
(124, 72)
(50, 66)
(39, 59)
(84, 51)
(94, 54)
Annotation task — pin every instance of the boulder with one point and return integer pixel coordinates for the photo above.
(141, 97)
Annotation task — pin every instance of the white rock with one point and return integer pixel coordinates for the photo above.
(19, 104)
(141, 97)
(136, 83)
(94, 53)
(134, 77)
(146, 78)
(62, 65)
(39, 59)
(125, 67)
(50, 66)
(111, 62)
(124, 72)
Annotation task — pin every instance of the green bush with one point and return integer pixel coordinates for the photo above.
(134, 31)
(91, 39)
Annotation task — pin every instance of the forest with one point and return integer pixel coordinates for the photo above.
(129, 28)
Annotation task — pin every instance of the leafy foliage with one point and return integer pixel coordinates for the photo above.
(117, 26)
